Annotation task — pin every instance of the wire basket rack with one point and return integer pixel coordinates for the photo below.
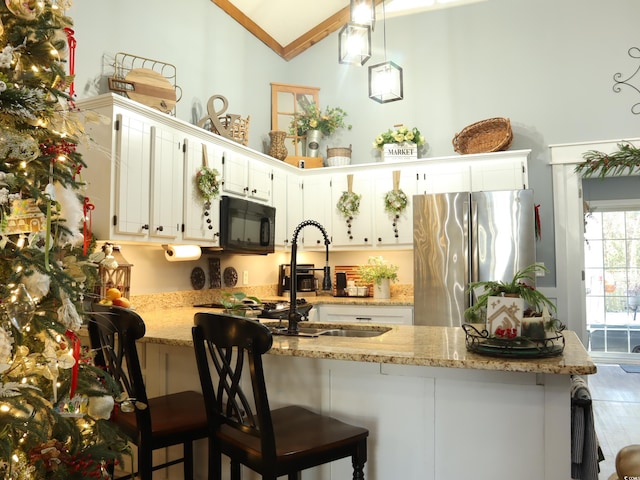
(124, 63)
(479, 340)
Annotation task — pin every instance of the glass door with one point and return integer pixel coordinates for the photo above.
(612, 277)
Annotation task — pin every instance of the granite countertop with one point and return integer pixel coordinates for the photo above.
(401, 345)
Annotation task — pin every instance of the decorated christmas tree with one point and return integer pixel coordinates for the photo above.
(54, 404)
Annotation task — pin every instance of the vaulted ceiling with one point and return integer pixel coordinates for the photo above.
(289, 27)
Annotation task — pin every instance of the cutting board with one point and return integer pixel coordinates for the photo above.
(147, 87)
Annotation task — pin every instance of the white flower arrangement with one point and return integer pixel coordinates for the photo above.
(349, 204)
(399, 135)
(395, 201)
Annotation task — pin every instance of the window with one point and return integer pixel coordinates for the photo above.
(287, 100)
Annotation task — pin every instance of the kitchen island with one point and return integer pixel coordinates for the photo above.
(434, 410)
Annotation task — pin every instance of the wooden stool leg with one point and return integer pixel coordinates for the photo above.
(188, 460)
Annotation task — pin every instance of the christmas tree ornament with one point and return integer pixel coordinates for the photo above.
(68, 314)
(20, 307)
(25, 9)
(101, 407)
(37, 284)
(6, 346)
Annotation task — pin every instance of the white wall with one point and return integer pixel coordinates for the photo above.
(546, 64)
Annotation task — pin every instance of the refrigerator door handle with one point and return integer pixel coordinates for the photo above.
(472, 241)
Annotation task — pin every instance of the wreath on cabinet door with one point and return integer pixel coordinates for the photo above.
(208, 183)
(395, 201)
(349, 202)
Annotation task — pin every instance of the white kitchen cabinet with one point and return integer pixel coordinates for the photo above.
(166, 185)
(499, 174)
(386, 315)
(316, 205)
(244, 178)
(200, 225)
(444, 178)
(356, 231)
(131, 164)
(287, 199)
(482, 173)
(134, 178)
(394, 229)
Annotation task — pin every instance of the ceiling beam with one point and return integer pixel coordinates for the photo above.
(299, 45)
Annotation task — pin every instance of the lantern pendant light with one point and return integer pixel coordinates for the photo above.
(363, 12)
(354, 42)
(385, 79)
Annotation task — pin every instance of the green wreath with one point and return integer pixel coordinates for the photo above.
(207, 182)
(395, 201)
(349, 204)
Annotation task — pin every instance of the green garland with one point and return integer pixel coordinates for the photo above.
(626, 161)
(208, 184)
(349, 204)
(395, 201)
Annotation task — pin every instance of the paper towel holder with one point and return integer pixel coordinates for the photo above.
(170, 249)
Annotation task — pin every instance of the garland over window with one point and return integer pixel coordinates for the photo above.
(625, 161)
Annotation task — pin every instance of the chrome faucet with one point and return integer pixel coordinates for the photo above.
(294, 316)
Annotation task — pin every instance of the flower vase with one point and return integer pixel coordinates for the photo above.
(313, 143)
(278, 149)
(382, 290)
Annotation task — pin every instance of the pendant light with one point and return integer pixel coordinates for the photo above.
(363, 12)
(354, 44)
(385, 79)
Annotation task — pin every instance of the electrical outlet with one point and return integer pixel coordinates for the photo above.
(540, 273)
(245, 277)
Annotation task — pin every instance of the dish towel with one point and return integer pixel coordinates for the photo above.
(585, 449)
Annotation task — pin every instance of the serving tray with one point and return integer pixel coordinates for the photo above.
(480, 341)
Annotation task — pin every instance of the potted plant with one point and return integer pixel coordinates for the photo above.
(535, 299)
(381, 274)
(238, 303)
(312, 123)
(311, 118)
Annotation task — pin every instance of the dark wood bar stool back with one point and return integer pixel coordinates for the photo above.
(159, 422)
(273, 443)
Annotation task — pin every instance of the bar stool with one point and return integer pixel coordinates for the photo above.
(159, 422)
(273, 443)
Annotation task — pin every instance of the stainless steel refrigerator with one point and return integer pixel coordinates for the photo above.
(460, 238)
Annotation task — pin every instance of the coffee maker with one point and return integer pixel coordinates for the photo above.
(306, 280)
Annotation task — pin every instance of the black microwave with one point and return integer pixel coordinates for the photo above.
(246, 227)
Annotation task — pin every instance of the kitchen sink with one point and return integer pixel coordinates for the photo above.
(331, 332)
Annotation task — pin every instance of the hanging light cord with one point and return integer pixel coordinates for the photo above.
(384, 31)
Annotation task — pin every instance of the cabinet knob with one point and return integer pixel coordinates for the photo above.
(145, 226)
(379, 239)
(396, 235)
(254, 191)
(160, 228)
(350, 237)
(217, 234)
(318, 242)
(245, 189)
(366, 239)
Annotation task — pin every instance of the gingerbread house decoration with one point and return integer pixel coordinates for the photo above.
(25, 217)
(504, 316)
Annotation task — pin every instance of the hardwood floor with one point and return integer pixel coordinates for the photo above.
(616, 408)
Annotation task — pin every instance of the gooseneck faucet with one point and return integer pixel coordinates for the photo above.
(294, 316)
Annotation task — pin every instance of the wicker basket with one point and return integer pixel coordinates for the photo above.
(490, 135)
(338, 156)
